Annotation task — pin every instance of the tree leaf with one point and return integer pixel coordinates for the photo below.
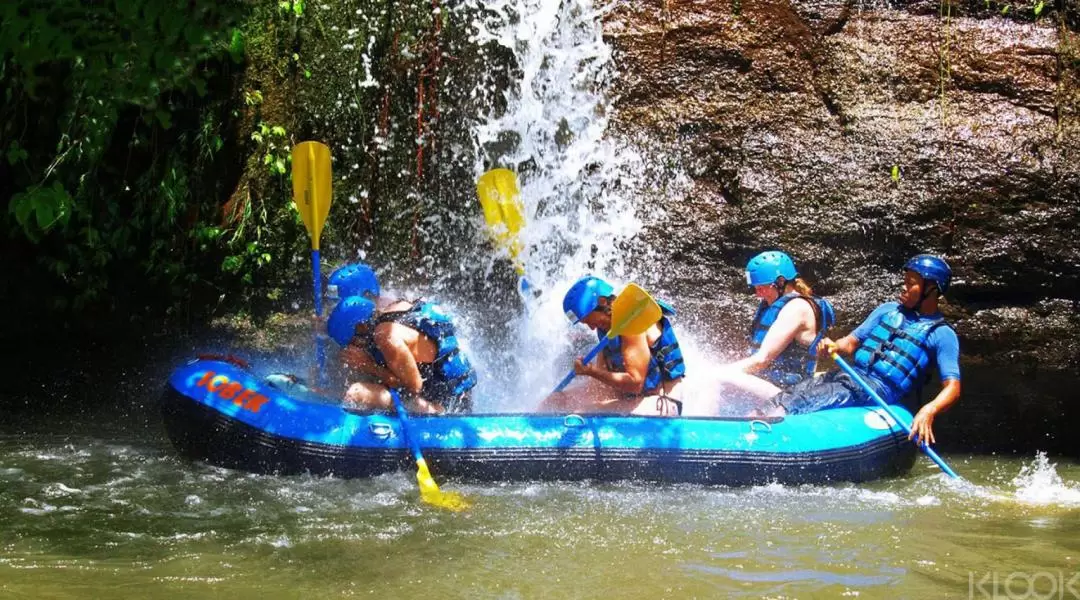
(44, 211)
(15, 153)
(21, 205)
(236, 45)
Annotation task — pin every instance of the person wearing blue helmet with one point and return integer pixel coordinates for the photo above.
(789, 322)
(354, 279)
(636, 374)
(411, 346)
(894, 350)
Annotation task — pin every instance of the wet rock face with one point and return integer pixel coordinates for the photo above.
(856, 137)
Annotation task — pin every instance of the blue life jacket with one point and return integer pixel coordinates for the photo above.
(451, 373)
(795, 363)
(896, 353)
(665, 356)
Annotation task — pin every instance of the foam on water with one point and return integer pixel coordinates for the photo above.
(1038, 483)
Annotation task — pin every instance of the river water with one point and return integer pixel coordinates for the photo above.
(102, 507)
(115, 513)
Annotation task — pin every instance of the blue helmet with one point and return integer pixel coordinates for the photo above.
(350, 312)
(764, 268)
(584, 296)
(356, 279)
(931, 268)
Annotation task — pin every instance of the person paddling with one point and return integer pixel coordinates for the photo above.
(789, 323)
(636, 374)
(893, 350)
(411, 346)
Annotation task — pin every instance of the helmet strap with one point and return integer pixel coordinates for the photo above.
(603, 307)
(779, 285)
(924, 294)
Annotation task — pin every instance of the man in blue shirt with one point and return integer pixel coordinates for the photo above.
(893, 350)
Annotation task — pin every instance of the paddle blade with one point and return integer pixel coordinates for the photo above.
(633, 312)
(504, 212)
(430, 492)
(311, 186)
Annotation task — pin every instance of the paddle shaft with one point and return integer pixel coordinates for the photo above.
(316, 280)
(588, 358)
(888, 409)
(403, 416)
(320, 343)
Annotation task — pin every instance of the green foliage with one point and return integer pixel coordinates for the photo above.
(1005, 9)
(108, 180)
(236, 46)
(147, 145)
(273, 146)
(253, 97)
(47, 205)
(296, 7)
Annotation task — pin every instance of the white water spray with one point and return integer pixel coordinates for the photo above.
(580, 182)
(1040, 484)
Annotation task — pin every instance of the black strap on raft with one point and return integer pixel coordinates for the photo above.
(661, 405)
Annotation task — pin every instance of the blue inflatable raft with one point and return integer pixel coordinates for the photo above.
(221, 412)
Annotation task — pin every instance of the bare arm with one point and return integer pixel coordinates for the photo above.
(846, 345)
(359, 359)
(922, 425)
(635, 352)
(781, 334)
(399, 357)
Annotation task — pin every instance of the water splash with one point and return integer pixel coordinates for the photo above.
(1039, 483)
(581, 182)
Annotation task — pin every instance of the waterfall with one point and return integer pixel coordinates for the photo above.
(580, 181)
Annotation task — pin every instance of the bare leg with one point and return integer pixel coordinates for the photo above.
(743, 394)
(376, 397)
(557, 402)
(700, 395)
(588, 396)
(748, 384)
(372, 396)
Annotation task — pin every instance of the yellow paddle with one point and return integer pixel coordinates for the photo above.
(312, 195)
(429, 490)
(632, 313)
(504, 214)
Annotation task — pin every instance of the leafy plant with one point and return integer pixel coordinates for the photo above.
(274, 147)
(108, 174)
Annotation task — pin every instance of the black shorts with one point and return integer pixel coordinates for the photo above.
(459, 404)
(450, 402)
(831, 390)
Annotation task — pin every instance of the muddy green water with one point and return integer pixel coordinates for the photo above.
(110, 515)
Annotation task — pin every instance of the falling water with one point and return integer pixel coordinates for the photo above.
(581, 182)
